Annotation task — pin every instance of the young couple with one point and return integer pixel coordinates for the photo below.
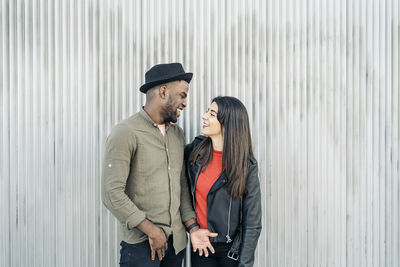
(159, 189)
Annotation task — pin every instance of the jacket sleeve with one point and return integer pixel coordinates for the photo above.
(119, 149)
(251, 218)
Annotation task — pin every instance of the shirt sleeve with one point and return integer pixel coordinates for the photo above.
(120, 146)
(186, 207)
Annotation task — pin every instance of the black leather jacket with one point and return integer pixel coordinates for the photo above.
(224, 214)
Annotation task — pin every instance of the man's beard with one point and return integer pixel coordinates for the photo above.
(169, 113)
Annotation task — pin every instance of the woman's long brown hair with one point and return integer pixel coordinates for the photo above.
(237, 148)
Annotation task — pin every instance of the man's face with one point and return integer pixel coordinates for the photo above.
(176, 101)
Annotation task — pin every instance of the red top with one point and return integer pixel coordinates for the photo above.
(204, 183)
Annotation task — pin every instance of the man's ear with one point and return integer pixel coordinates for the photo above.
(163, 91)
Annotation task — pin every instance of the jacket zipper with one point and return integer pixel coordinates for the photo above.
(228, 238)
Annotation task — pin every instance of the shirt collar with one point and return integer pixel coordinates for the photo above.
(149, 120)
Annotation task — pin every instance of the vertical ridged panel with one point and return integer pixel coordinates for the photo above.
(320, 80)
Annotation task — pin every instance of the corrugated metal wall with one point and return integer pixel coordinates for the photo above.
(320, 80)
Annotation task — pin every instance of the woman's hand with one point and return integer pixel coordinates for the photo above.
(201, 241)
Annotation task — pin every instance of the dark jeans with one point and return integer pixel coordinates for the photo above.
(218, 259)
(139, 255)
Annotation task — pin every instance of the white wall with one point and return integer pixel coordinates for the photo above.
(320, 80)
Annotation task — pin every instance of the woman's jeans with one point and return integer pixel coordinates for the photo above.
(218, 259)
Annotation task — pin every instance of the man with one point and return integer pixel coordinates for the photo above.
(143, 177)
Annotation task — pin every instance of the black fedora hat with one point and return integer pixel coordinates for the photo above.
(163, 73)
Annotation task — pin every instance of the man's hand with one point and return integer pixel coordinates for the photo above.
(158, 243)
(157, 238)
(201, 241)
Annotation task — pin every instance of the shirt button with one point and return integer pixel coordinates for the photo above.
(154, 124)
(169, 168)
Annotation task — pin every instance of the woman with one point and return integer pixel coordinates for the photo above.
(225, 189)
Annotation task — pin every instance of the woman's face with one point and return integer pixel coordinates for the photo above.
(211, 126)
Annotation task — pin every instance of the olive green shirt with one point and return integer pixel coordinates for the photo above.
(143, 176)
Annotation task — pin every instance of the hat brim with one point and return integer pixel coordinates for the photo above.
(185, 76)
